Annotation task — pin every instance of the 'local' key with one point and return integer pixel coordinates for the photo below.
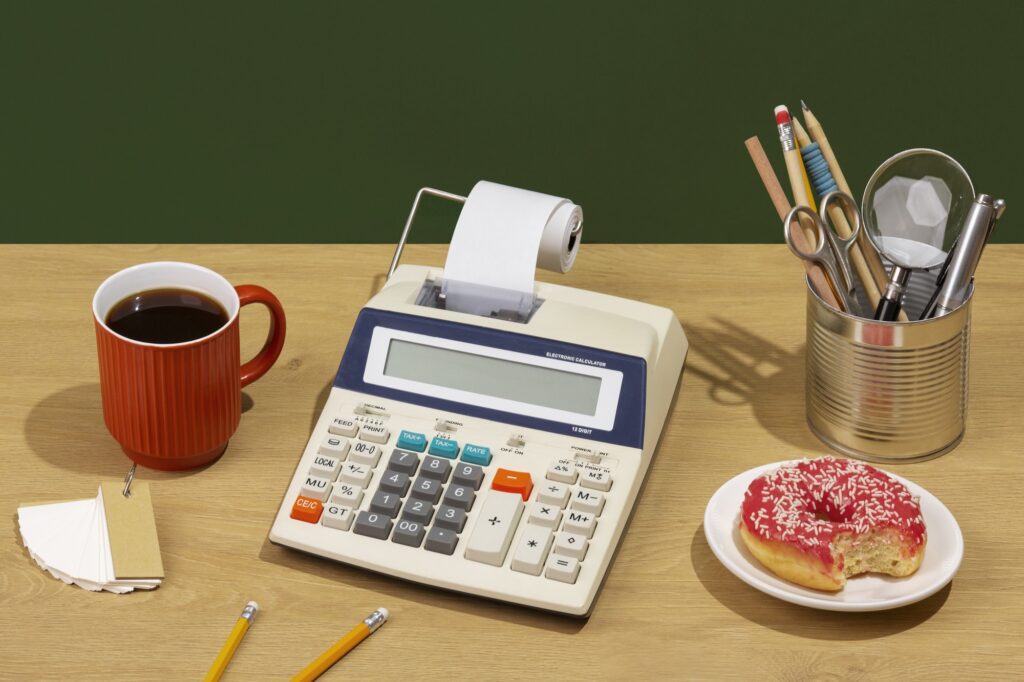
(495, 524)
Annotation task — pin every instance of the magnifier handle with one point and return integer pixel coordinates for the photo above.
(888, 310)
(892, 298)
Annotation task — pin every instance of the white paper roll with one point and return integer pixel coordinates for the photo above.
(503, 234)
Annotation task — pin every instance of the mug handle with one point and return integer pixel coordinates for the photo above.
(265, 359)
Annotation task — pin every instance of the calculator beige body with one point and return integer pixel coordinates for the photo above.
(582, 488)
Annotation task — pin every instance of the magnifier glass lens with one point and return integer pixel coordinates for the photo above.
(914, 206)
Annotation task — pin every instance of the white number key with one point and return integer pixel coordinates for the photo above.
(580, 523)
(553, 493)
(316, 487)
(375, 433)
(343, 427)
(570, 544)
(588, 501)
(336, 516)
(347, 495)
(544, 514)
(364, 453)
(325, 467)
(532, 550)
(562, 568)
(358, 474)
(596, 479)
(334, 446)
(495, 524)
(563, 470)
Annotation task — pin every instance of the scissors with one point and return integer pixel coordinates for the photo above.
(831, 253)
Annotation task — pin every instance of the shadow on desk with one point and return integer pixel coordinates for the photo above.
(395, 588)
(743, 369)
(66, 429)
(767, 611)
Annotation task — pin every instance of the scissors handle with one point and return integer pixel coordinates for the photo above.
(797, 219)
(844, 203)
(825, 254)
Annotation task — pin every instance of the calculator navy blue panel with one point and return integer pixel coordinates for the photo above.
(627, 430)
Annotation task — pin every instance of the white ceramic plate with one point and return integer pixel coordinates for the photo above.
(869, 592)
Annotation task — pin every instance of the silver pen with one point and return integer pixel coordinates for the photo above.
(957, 275)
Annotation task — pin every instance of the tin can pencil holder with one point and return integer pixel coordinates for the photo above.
(888, 391)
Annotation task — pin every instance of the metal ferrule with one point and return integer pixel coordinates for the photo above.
(897, 285)
(374, 620)
(786, 137)
(249, 612)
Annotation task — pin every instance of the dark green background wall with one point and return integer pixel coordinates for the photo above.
(317, 122)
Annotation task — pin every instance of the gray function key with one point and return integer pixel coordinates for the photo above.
(427, 489)
(451, 518)
(468, 474)
(408, 533)
(372, 525)
(441, 540)
(436, 468)
(395, 482)
(386, 503)
(460, 496)
(418, 510)
(404, 461)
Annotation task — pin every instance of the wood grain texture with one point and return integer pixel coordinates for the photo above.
(668, 608)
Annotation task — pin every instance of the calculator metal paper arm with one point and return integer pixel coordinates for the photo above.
(492, 443)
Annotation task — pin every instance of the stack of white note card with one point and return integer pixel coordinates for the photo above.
(104, 543)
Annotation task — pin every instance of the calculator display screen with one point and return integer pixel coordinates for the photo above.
(495, 377)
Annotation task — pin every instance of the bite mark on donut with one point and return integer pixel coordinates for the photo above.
(847, 515)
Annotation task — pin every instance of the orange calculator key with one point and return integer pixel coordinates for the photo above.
(509, 481)
(307, 509)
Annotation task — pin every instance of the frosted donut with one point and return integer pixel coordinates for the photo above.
(820, 521)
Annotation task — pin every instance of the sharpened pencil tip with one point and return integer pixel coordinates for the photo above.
(803, 105)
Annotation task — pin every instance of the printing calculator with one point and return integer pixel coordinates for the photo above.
(495, 457)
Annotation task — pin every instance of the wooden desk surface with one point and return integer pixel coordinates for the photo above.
(668, 607)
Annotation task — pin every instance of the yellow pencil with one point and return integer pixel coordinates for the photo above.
(220, 663)
(798, 182)
(343, 646)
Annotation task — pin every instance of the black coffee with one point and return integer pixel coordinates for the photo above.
(167, 316)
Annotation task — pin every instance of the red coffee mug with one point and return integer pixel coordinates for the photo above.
(175, 406)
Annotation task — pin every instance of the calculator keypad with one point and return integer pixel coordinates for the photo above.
(373, 524)
(375, 433)
(441, 540)
(409, 533)
(427, 489)
(436, 468)
(423, 500)
(497, 522)
(340, 426)
(336, 516)
(404, 461)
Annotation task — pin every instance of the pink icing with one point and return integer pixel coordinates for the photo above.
(808, 503)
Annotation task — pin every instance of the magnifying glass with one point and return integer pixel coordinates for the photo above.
(913, 208)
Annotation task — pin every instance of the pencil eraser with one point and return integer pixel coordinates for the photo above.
(782, 114)
(384, 612)
(254, 605)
